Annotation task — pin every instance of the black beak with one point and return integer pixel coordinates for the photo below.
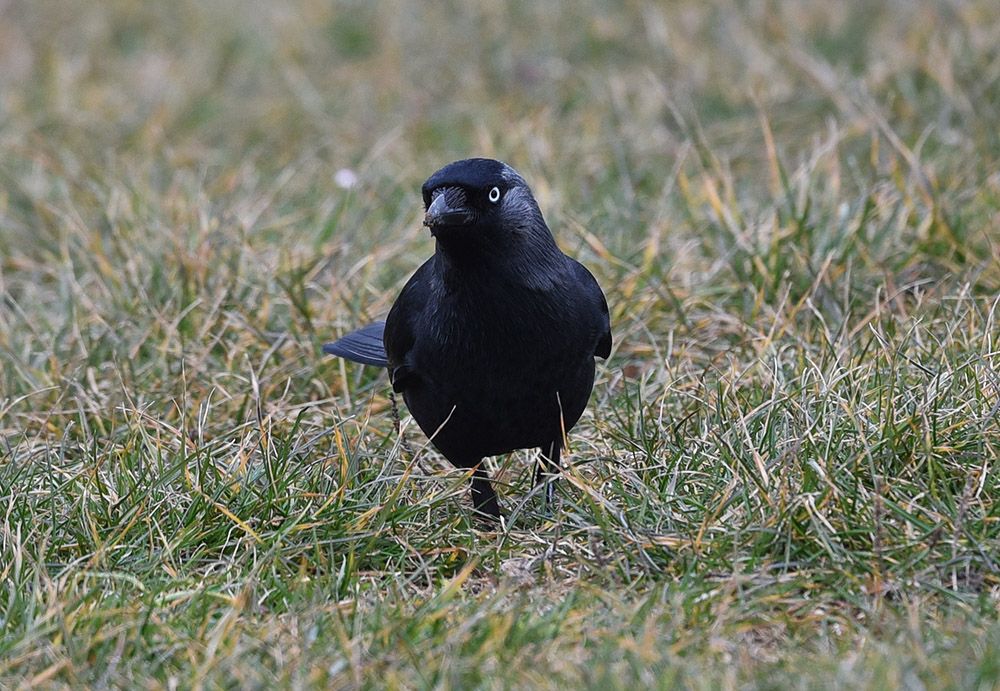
(441, 213)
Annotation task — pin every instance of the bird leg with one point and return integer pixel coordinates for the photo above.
(548, 469)
(484, 499)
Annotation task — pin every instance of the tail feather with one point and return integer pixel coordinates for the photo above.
(364, 346)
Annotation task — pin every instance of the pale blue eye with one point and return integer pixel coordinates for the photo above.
(495, 195)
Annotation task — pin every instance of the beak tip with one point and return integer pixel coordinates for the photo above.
(442, 214)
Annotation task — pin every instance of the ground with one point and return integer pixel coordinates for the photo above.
(788, 472)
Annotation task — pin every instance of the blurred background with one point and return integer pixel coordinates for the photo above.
(599, 104)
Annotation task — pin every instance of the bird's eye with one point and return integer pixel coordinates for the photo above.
(495, 195)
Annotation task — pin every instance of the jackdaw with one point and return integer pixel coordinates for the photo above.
(492, 341)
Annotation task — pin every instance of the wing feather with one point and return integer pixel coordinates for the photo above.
(593, 291)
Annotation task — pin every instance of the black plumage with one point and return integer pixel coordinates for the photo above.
(492, 341)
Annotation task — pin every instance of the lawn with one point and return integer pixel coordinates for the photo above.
(787, 477)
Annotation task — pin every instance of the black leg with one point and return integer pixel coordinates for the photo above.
(484, 499)
(548, 469)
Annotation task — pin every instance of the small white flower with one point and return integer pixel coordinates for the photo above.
(345, 178)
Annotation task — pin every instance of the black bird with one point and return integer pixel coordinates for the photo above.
(492, 341)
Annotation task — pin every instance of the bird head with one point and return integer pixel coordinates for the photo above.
(479, 202)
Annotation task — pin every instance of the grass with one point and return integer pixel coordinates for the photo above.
(788, 474)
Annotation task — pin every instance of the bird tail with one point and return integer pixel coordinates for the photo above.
(364, 346)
